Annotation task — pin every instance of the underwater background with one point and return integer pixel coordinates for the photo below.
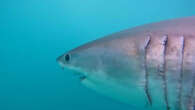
(33, 33)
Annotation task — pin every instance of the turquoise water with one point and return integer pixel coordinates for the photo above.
(33, 33)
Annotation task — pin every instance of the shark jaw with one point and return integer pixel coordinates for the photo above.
(134, 97)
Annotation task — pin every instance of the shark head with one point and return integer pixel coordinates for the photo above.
(108, 66)
(100, 59)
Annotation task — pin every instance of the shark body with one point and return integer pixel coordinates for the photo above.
(151, 66)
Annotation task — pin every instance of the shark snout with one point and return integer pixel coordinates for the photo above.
(64, 60)
(60, 61)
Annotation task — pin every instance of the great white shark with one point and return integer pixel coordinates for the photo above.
(151, 66)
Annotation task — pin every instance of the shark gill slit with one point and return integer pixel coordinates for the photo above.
(193, 92)
(180, 85)
(192, 95)
(162, 70)
(146, 88)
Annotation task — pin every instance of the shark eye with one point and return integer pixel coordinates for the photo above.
(67, 57)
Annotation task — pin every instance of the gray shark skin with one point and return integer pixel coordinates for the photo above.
(151, 67)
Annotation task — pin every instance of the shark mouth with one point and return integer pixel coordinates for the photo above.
(82, 78)
(76, 73)
(80, 75)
